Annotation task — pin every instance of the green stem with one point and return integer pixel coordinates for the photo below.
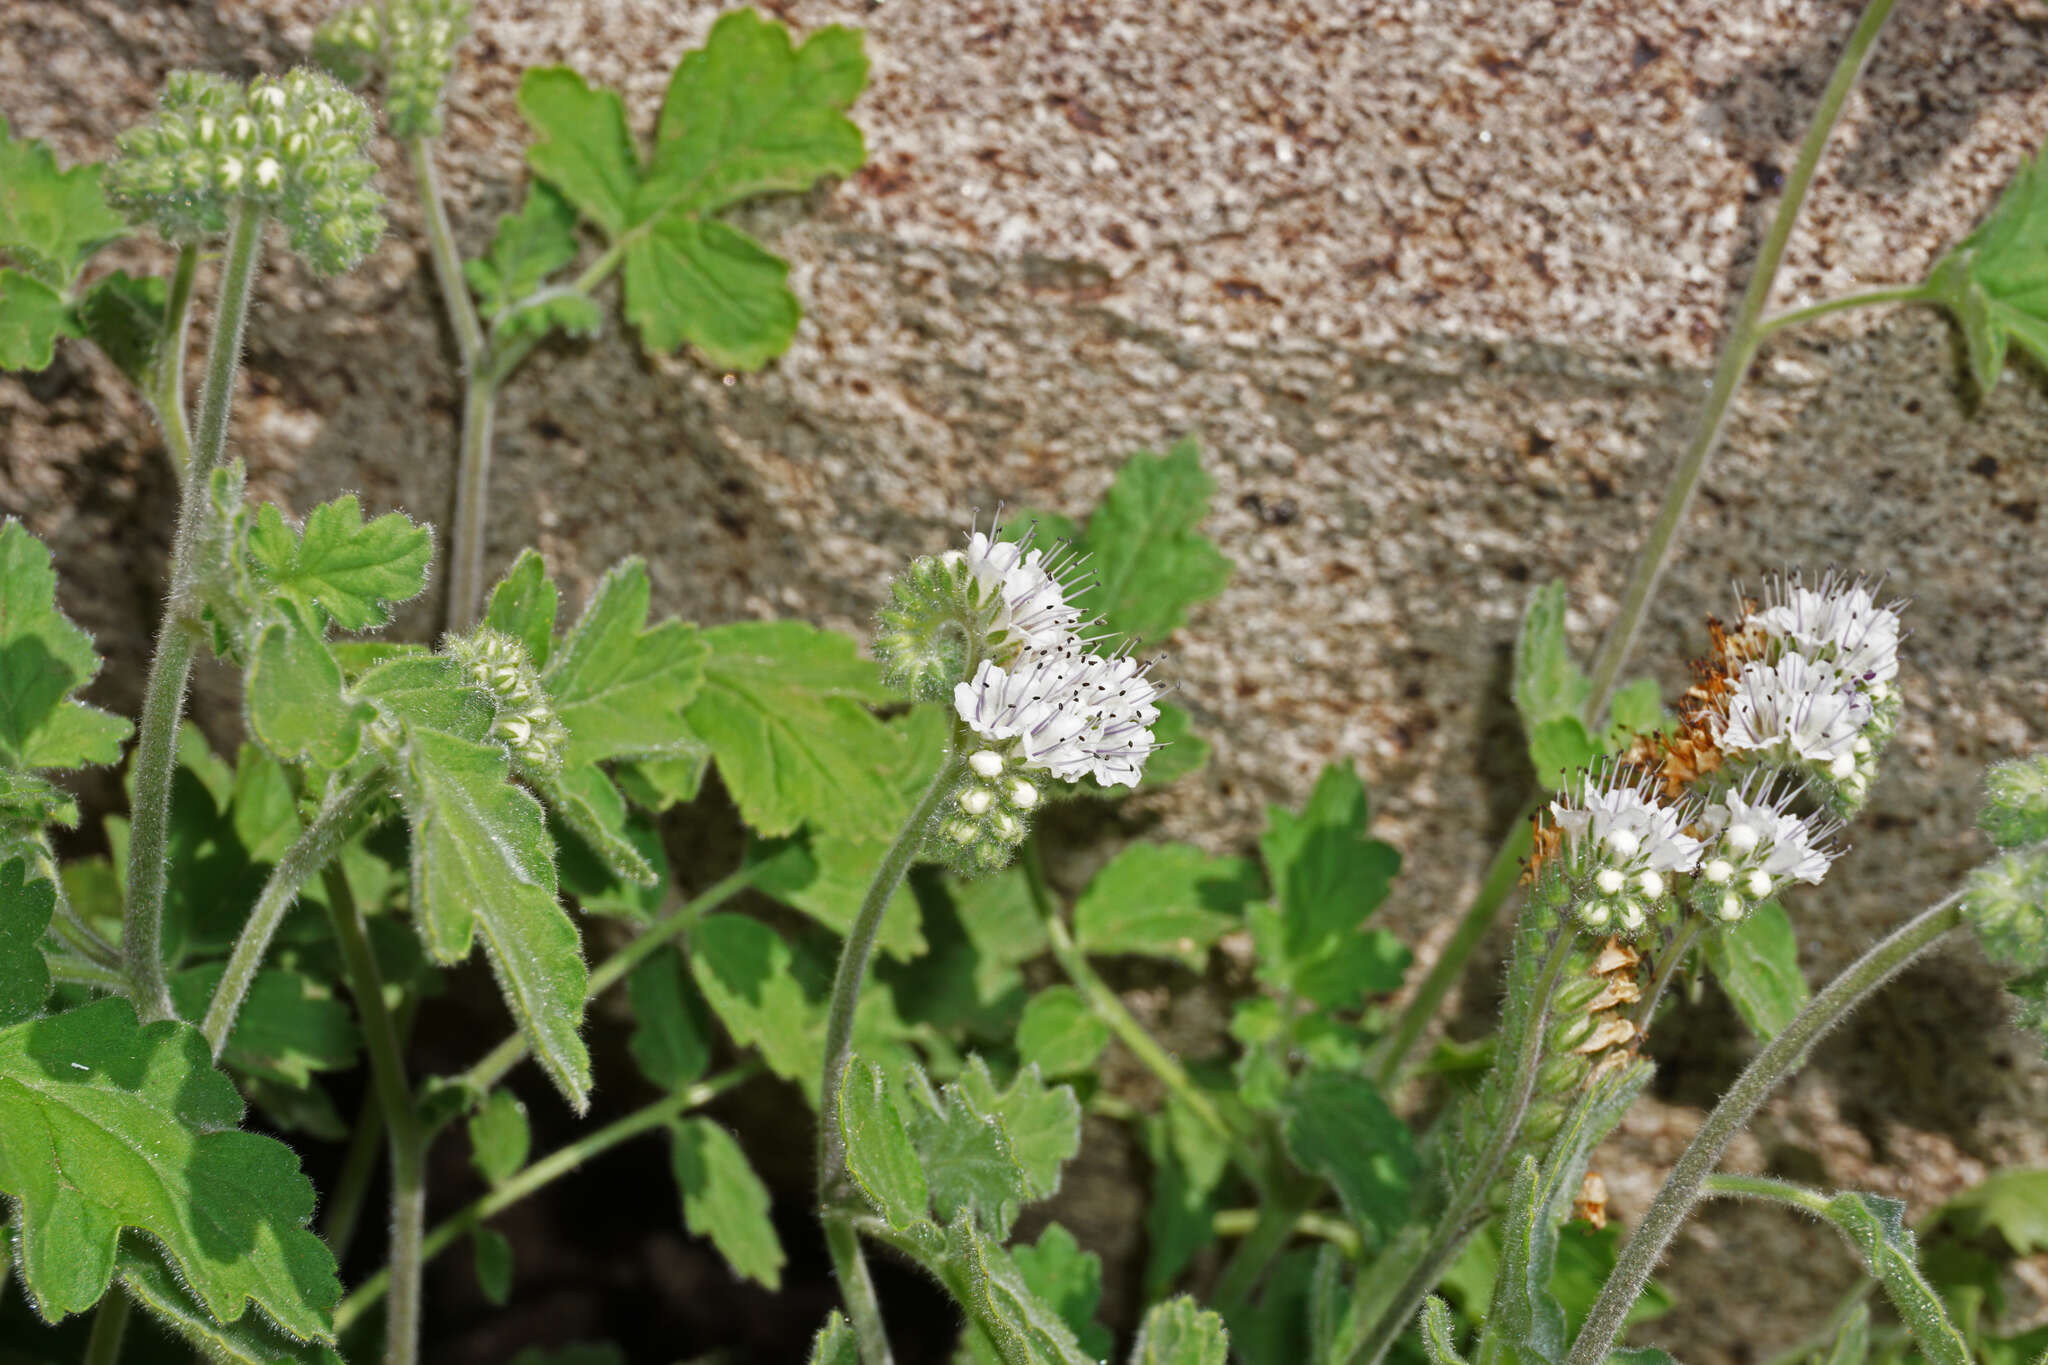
(72, 971)
(1243, 1222)
(163, 700)
(447, 261)
(1867, 298)
(540, 1173)
(344, 1207)
(1667, 968)
(492, 1066)
(856, 1288)
(1502, 875)
(168, 387)
(1733, 1185)
(310, 852)
(1737, 350)
(1111, 1010)
(472, 504)
(401, 1120)
(1465, 1209)
(1782, 1056)
(1279, 1218)
(109, 1326)
(71, 926)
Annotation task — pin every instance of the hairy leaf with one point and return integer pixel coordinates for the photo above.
(2014, 1203)
(1327, 878)
(1164, 900)
(970, 1164)
(826, 876)
(529, 246)
(1995, 283)
(1151, 560)
(1439, 1335)
(44, 659)
(835, 1343)
(32, 317)
(1877, 1226)
(339, 567)
(1339, 1128)
(1548, 683)
(878, 1151)
(1757, 964)
(583, 148)
(1181, 1332)
(745, 971)
(724, 1200)
(1043, 1122)
(26, 904)
(499, 1138)
(115, 1125)
(619, 685)
(523, 606)
(299, 707)
(124, 316)
(703, 283)
(672, 1034)
(1007, 1321)
(1059, 1033)
(51, 221)
(289, 1025)
(249, 1340)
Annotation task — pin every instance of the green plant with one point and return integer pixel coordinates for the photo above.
(263, 923)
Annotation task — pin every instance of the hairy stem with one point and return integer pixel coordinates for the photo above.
(401, 1120)
(344, 1207)
(1867, 298)
(1502, 874)
(1667, 968)
(538, 1174)
(109, 1326)
(316, 844)
(1242, 1222)
(472, 504)
(163, 700)
(167, 394)
(1779, 1059)
(447, 261)
(1737, 350)
(856, 1288)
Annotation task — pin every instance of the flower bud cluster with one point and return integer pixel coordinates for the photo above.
(411, 43)
(527, 724)
(291, 146)
(1589, 1031)
(989, 812)
(1617, 848)
(1759, 847)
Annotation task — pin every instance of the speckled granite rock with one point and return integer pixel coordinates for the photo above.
(1436, 283)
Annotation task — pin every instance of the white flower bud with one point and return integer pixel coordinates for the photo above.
(987, 762)
(1624, 842)
(1631, 916)
(1741, 838)
(1651, 884)
(1594, 913)
(1860, 747)
(1023, 795)
(976, 800)
(1731, 907)
(230, 172)
(1843, 768)
(1006, 826)
(960, 831)
(1759, 883)
(268, 174)
(1609, 880)
(1718, 871)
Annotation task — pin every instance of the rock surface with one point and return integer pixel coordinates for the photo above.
(1436, 282)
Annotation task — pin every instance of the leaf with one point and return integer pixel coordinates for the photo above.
(1339, 1128)
(1637, 709)
(1558, 748)
(1994, 282)
(1757, 964)
(1852, 1344)
(970, 1165)
(835, 1343)
(1069, 1281)
(298, 706)
(826, 876)
(724, 1200)
(523, 606)
(493, 1265)
(1181, 1332)
(1179, 1216)
(481, 856)
(1180, 750)
(1548, 683)
(339, 567)
(1523, 1316)
(2013, 1203)
(620, 686)
(878, 1151)
(51, 221)
(583, 148)
(782, 709)
(124, 316)
(289, 1026)
(1164, 900)
(1327, 878)
(529, 246)
(561, 309)
(671, 1035)
(247, 1341)
(1012, 1323)
(1059, 1033)
(499, 1138)
(1043, 1122)
(32, 317)
(1150, 558)
(1877, 1226)
(114, 1125)
(585, 801)
(25, 907)
(745, 971)
(44, 659)
(701, 282)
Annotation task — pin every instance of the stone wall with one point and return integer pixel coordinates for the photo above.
(1437, 284)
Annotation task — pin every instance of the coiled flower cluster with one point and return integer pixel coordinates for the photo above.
(526, 722)
(290, 146)
(1759, 848)
(1617, 848)
(411, 43)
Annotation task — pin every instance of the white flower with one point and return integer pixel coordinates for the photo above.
(1029, 585)
(1068, 713)
(1840, 622)
(1760, 835)
(1804, 708)
(1623, 829)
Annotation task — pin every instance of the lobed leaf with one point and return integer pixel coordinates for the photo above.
(879, 1154)
(1995, 283)
(619, 685)
(1327, 878)
(523, 606)
(338, 567)
(51, 221)
(44, 659)
(299, 705)
(1059, 1033)
(835, 1343)
(1150, 558)
(1339, 1128)
(249, 1340)
(746, 973)
(724, 1200)
(703, 283)
(1181, 1332)
(1548, 683)
(26, 904)
(529, 246)
(1164, 900)
(671, 1039)
(583, 148)
(32, 317)
(288, 1027)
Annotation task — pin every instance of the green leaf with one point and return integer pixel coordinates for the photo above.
(878, 1151)
(585, 800)
(1059, 1033)
(1179, 1216)
(1637, 709)
(1012, 1323)
(1327, 877)
(1757, 964)
(481, 856)
(499, 1138)
(25, 907)
(114, 1125)
(701, 282)
(1151, 560)
(1339, 1128)
(552, 310)
(835, 1343)
(826, 876)
(2016, 802)
(298, 705)
(1181, 751)
(1164, 900)
(671, 1036)
(523, 606)
(620, 686)
(529, 246)
(583, 148)
(1994, 281)
(247, 1341)
(1558, 748)
(970, 1164)
(340, 567)
(1524, 1322)
(1852, 1343)
(51, 221)
(124, 316)
(1069, 1281)
(747, 114)
(289, 1025)
(1181, 1332)
(2012, 1203)
(724, 1200)
(1043, 1122)
(32, 317)
(746, 973)
(44, 659)
(493, 1265)
(1877, 1226)
(782, 709)
(1439, 1334)
(1548, 683)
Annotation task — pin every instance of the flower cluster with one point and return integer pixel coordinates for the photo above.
(290, 146)
(412, 42)
(1760, 847)
(526, 723)
(1620, 847)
